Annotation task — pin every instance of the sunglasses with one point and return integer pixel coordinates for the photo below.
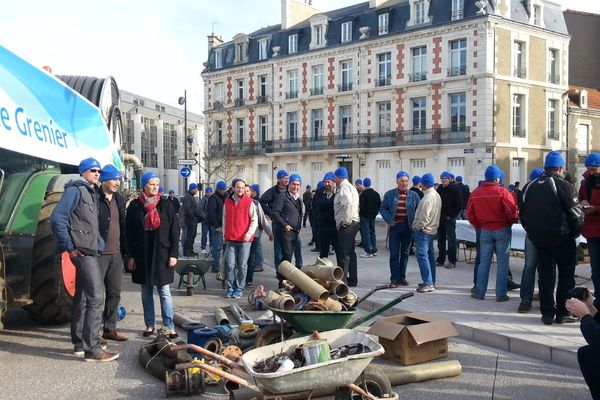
(94, 170)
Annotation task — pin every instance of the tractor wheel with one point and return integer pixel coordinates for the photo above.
(52, 275)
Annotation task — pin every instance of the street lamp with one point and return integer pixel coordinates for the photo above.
(183, 101)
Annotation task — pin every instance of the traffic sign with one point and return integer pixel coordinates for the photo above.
(187, 162)
(185, 172)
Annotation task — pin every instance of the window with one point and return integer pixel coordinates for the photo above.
(138, 102)
(583, 139)
(552, 128)
(518, 113)
(239, 52)
(383, 23)
(219, 95)
(129, 132)
(345, 121)
(218, 140)
(457, 9)
(239, 101)
(384, 65)
(553, 76)
(346, 76)
(317, 80)
(347, 31)
(291, 167)
(218, 58)
(292, 84)
(458, 112)
(262, 89)
(160, 108)
(169, 146)
(263, 128)
(384, 117)
(293, 43)
(517, 170)
(316, 118)
(292, 127)
(240, 130)
(418, 163)
(456, 162)
(262, 49)
(519, 69)
(320, 35)
(419, 113)
(458, 57)
(537, 15)
(149, 143)
(419, 64)
(419, 12)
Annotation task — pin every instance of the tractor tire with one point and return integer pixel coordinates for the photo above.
(51, 300)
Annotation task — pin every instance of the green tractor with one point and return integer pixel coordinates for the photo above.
(47, 124)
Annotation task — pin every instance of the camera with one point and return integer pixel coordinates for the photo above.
(579, 293)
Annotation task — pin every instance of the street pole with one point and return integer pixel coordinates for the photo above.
(183, 100)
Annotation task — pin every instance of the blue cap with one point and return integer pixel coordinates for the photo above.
(161, 189)
(427, 180)
(416, 180)
(400, 174)
(535, 173)
(341, 173)
(234, 181)
(446, 174)
(511, 187)
(501, 178)
(193, 186)
(459, 179)
(221, 185)
(308, 187)
(492, 173)
(109, 172)
(208, 189)
(358, 182)
(320, 185)
(593, 160)
(255, 187)
(295, 177)
(88, 163)
(171, 191)
(282, 173)
(329, 176)
(367, 182)
(554, 160)
(147, 176)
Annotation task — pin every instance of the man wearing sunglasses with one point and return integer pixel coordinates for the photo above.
(75, 226)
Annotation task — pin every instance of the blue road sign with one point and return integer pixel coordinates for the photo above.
(185, 172)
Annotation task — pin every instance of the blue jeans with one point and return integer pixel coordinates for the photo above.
(400, 238)
(594, 252)
(478, 255)
(425, 256)
(206, 234)
(88, 304)
(494, 241)
(216, 245)
(166, 306)
(447, 232)
(367, 232)
(528, 276)
(236, 256)
(256, 259)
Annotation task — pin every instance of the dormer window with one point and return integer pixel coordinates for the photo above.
(241, 48)
(419, 12)
(262, 49)
(346, 31)
(536, 12)
(383, 23)
(218, 58)
(318, 28)
(457, 9)
(319, 35)
(583, 99)
(293, 43)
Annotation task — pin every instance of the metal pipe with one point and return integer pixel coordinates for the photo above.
(303, 282)
(197, 349)
(238, 313)
(280, 301)
(381, 309)
(220, 316)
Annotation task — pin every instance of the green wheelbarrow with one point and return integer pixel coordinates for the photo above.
(191, 271)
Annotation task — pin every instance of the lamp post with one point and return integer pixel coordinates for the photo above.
(183, 101)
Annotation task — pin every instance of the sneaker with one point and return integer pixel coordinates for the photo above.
(512, 285)
(565, 319)
(258, 269)
(78, 350)
(237, 294)
(450, 265)
(203, 251)
(103, 356)
(424, 288)
(229, 294)
(439, 263)
(502, 298)
(403, 282)
(547, 319)
(114, 336)
(524, 307)
(366, 255)
(374, 254)
(477, 296)
(393, 285)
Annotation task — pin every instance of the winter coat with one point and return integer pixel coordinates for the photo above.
(389, 206)
(104, 218)
(465, 192)
(590, 191)
(268, 198)
(451, 201)
(189, 209)
(214, 211)
(492, 207)
(165, 242)
(287, 211)
(369, 203)
(323, 209)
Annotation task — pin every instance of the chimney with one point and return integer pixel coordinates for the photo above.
(376, 3)
(296, 11)
(214, 41)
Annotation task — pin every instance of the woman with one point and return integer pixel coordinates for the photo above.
(152, 230)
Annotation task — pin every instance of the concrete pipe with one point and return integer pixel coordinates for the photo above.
(280, 301)
(303, 282)
(324, 261)
(324, 272)
(333, 305)
(338, 288)
(400, 374)
(220, 316)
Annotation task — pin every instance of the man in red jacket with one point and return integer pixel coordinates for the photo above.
(589, 197)
(493, 209)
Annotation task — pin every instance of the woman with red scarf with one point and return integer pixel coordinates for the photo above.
(152, 231)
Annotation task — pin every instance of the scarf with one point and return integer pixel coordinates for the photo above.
(151, 219)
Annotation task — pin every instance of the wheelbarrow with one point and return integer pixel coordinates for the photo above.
(191, 271)
(303, 382)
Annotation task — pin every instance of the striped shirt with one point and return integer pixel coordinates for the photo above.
(401, 216)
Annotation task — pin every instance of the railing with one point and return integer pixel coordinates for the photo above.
(261, 99)
(554, 78)
(518, 132)
(417, 77)
(457, 71)
(387, 81)
(344, 87)
(316, 91)
(217, 105)
(239, 102)
(291, 95)
(520, 73)
(553, 134)
(348, 141)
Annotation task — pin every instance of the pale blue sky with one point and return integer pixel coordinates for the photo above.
(154, 48)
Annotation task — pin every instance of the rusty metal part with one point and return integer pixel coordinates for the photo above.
(303, 282)
(324, 272)
(249, 332)
(223, 360)
(314, 306)
(214, 344)
(223, 374)
(233, 353)
(338, 288)
(184, 382)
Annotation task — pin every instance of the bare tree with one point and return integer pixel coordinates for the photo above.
(219, 161)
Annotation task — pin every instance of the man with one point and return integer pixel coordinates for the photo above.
(588, 356)
(425, 225)
(369, 203)
(256, 259)
(345, 209)
(324, 215)
(287, 219)
(215, 222)
(552, 218)
(307, 200)
(75, 226)
(359, 185)
(111, 222)
(447, 230)
(465, 192)
(203, 210)
(589, 196)
(398, 211)
(492, 209)
(416, 187)
(240, 220)
(191, 217)
(174, 201)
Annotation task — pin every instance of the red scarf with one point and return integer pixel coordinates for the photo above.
(151, 219)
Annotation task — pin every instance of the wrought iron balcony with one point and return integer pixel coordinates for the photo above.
(417, 77)
(239, 102)
(518, 132)
(217, 105)
(261, 99)
(553, 134)
(383, 81)
(291, 95)
(520, 72)
(316, 91)
(457, 71)
(344, 87)
(554, 78)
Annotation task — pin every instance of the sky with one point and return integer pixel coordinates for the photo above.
(153, 48)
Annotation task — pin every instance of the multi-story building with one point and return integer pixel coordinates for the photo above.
(382, 86)
(583, 52)
(154, 132)
(583, 127)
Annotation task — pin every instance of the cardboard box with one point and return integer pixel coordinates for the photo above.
(413, 338)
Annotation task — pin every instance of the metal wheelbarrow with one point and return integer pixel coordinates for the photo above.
(191, 271)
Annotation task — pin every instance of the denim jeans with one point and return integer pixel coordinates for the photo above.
(216, 245)
(88, 304)
(594, 251)
(477, 255)
(447, 232)
(166, 306)
(528, 276)
(494, 241)
(206, 234)
(367, 232)
(425, 256)
(346, 254)
(236, 264)
(111, 267)
(255, 259)
(400, 238)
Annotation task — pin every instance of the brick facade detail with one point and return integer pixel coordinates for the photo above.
(251, 124)
(228, 90)
(436, 106)
(251, 87)
(400, 61)
(399, 109)
(437, 55)
(331, 73)
(330, 118)
(304, 78)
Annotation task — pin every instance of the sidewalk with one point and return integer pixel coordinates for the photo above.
(487, 322)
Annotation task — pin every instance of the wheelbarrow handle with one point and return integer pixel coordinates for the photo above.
(369, 293)
(380, 310)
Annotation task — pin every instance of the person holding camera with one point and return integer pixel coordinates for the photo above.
(583, 305)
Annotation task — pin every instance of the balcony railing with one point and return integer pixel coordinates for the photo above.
(348, 141)
(316, 91)
(520, 73)
(554, 78)
(518, 132)
(417, 77)
(457, 71)
(239, 102)
(344, 87)
(291, 95)
(385, 81)
(261, 99)
(217, 105)
(553, 134)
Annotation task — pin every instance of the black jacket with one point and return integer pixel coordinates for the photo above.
(175, 203)
(465, 192)
(268, 198)
(450, 201)
(551, 212)
(323, 209)
(287, 211)
(104, 218)
(590, 328)
(369, 202)
(189, 209)
(307, 199)
(417, 191)
(214, 210)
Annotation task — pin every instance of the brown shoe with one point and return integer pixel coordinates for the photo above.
(103, 356)
(114, 336)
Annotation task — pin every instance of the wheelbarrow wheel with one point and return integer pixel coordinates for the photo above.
(271, 334)
(373, 380)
